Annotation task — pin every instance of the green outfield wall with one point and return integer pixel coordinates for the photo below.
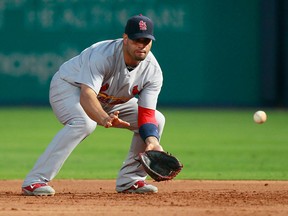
(210, 50)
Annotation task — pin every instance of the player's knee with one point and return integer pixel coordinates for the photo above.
(160, 118)
(86, 125)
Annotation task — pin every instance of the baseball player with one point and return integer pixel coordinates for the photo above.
(98, 87)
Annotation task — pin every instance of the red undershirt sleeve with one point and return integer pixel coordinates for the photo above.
(146, 115)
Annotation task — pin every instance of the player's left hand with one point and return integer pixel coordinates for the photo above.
(114, 121)
(152, 143)
(161, 166)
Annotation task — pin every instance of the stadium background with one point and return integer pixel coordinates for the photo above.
(213, 53)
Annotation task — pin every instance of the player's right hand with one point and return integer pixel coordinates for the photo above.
(114, 121)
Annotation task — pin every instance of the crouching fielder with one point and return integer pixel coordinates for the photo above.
(98, 87)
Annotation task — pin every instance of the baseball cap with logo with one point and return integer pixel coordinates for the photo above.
(139, 27)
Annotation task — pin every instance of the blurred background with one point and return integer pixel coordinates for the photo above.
(214, 53)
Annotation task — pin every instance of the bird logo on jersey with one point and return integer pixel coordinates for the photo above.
(135, 90)
(104, 87)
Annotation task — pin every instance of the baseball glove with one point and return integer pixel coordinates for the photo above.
(159, 165)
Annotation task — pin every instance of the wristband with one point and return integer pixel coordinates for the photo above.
(147, 130)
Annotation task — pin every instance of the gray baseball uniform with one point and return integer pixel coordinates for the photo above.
(102, 68)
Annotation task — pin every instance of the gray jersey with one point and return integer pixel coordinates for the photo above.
(102, 68)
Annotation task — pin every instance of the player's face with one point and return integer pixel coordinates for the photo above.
(138, 49)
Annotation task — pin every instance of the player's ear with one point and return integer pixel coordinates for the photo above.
(125, 38)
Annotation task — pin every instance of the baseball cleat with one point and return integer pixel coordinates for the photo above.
(38, 189)
(141, 187)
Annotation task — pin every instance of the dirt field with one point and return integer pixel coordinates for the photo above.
(178, 197)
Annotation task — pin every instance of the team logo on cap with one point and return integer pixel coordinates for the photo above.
(142, 25)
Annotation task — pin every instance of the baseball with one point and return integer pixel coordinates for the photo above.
(260, 117)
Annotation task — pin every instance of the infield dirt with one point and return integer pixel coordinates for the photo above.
(178, 197)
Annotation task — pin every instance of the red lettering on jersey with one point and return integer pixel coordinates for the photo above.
(104, 87)
(110, 99)
(135, 90)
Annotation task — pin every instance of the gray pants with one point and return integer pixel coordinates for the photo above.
(64, 99)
